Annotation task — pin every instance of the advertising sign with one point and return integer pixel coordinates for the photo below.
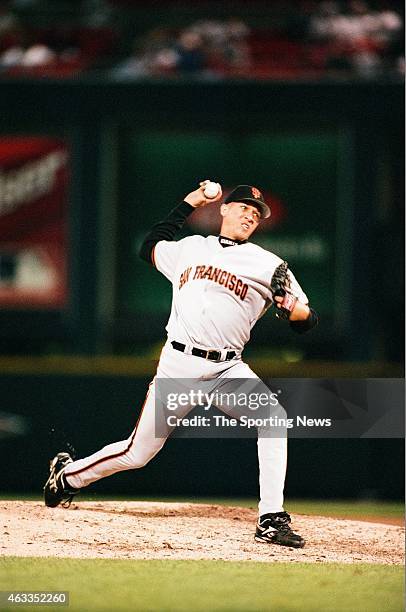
(34, 174)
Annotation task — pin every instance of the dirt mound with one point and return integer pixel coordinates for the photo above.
(145, 530)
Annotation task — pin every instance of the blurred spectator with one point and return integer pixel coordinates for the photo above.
(236, 49)
(225, 43)
(357, 38)
(152, 54)
(13, 56)
(366, 62)
(69, 38)
(189, 52)
(205, 47)
(301, 38)
(38, 55)
(323, 22)
(162, 53)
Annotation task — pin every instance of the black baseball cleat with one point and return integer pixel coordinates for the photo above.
(274, 528)
(56, 489)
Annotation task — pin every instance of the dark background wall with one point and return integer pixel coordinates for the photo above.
(113, 199)
(84, 413)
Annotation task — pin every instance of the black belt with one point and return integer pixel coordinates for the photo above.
(212, 355)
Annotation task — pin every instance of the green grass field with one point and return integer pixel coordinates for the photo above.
(208, 585)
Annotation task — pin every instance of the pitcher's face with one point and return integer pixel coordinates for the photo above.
(240, 220)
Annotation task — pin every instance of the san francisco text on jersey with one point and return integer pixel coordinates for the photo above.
(217, 275)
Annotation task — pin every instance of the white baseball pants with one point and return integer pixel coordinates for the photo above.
(143, 443)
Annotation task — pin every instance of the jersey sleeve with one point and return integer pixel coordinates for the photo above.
(165, 256)
(296, 289)
(300, 327)
(164, 230)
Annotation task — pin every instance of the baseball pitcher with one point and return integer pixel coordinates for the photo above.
(221, 286)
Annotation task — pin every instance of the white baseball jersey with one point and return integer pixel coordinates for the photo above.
(219, 292)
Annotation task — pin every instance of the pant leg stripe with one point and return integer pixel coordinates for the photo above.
(91, 465)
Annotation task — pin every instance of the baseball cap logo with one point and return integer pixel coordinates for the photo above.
(255, 192)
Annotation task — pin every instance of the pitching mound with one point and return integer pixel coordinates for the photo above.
(145, 530)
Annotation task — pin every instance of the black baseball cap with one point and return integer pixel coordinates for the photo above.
(247, 193)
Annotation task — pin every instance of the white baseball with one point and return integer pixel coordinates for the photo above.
(211, 189)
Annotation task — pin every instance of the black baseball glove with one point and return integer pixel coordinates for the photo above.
(280, 287)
